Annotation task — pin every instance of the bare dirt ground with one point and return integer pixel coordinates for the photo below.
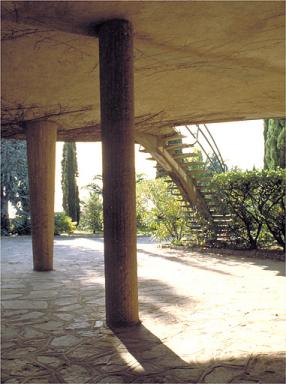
(206, 318)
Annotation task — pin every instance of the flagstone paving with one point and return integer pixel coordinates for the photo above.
(205, 318)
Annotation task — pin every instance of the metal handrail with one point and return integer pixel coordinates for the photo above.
(214, 147)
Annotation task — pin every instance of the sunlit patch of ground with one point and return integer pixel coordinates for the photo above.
(206, 318)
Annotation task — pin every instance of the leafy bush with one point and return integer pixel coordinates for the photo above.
(20, 225)
(257, 201)
(92, 214)
(63, 224)
(159, 212)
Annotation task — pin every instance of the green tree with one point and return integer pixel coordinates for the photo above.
(274, 143)
(69, 184)
(213, 164)
(14, 183)
(158, 211)
(92, 214)
(63, 223)
(96, 185)
(197, 158)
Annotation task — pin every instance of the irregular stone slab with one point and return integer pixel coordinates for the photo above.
(31, 333)
(20, 352)
(80, 323)
(246, 380)
(50, 360)
(86, 351)
(87, 333)
(65, 341)
(185, 374)
(50, 325)
(25, 304)
(99, 301)
(7, 345)
(158, 379)
(21, 367)
(12, 285)
(65, 316)
(111, 380)
(66, 301)
(10, 297)
(40, 380)
(75, 374)
(39, 294)
(9, 332)
(114, 368)
(13, 312)
(70, 308)
(31, 316)
(12, 381)
(221, 375)
(40, 286)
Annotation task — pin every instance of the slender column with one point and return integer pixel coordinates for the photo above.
(117, 125)
(41, 148)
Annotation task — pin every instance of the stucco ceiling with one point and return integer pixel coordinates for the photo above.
(195, 61)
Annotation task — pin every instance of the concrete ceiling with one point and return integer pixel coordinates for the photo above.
(195, 62)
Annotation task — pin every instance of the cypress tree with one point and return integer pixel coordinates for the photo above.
(14, 182)
(69, 183)
(274, 143)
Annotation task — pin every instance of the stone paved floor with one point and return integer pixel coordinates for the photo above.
(206, 318)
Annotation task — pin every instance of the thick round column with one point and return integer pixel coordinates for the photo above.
(117, 125)
(41, 148)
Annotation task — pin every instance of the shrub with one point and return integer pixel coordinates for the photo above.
(63, 224)
(257, 201)
(21, 225)
(92, 214)
(159, 212)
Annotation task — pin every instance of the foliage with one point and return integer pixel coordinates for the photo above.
(63, 224)
(69, 184)
(274, 143)
(14, 181)
(92, 214)
(257, 201)
(158, 211)
(20, 225)
(197, 158)
(200, 230)
(213, 164)
(96, 185)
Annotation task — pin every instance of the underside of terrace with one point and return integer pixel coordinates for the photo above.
(194, 62)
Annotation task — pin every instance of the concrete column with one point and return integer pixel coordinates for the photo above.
(41, 148)
(117, 125)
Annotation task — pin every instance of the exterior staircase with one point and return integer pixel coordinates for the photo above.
(189, 181)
